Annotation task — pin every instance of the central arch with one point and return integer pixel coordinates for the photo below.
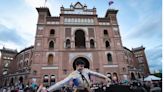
(87, 65)
(79, 39)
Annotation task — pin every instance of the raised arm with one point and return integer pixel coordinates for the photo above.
(97, 74)
(59, 84)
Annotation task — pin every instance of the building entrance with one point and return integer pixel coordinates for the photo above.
(87, 65)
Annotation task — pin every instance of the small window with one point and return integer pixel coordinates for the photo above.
(68, 43)
(92, 45)
(105, 32)
(107, 45)
(51, 44)
(52, 79)
(50, 59)
(109, 57)
(52, 32)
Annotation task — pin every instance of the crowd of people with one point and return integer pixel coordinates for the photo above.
(134, 86)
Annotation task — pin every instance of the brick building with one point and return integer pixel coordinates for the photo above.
(137, 62)
(78, 33)
(7, 57)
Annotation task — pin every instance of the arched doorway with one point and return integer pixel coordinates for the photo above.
(87, 65)
(80, 39)
(21, 79)
(133, 76)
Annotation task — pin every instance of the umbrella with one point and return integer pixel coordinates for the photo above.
(151, 77)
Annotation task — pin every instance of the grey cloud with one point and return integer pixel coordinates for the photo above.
(10, 35)
(154, 56)
(145, 6)
(148, 22)
(151, 28)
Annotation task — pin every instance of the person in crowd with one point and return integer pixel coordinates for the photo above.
(29, 89)
(41, 88)
(20, 86)
(34, 84)
(155, 88)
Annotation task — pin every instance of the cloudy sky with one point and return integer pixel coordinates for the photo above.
(140, 23)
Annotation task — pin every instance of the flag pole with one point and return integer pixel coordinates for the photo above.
(45, 3)
(110, 3)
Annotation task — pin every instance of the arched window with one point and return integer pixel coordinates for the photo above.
(52, 32)
(51, 44)
(107, 45)
(50, 59)
(109, 57)
(92, 44)
(79, 39)
(45, 80)
(52, 80)
(68, 43)
(115, 78)
(105, 32)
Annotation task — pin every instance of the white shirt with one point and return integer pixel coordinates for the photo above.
(76, 75)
